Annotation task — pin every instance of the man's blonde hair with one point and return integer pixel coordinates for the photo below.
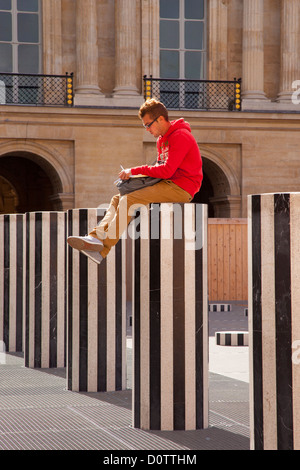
(154, 108)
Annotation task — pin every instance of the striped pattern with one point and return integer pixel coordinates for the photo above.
(219, 308)
(45, 311)
(12, 282)
(170, 330)
(96, 313)
(232, 338)
(274, 322)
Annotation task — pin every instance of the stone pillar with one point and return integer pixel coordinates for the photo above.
(45, 312)
(87, 90)
(12, 267)
(218, 43)
(150, 37)
(253, 52)
(126, 91)
(96, 313)
(52, 37)
(170, 328)
(289, 71)
(274, 321)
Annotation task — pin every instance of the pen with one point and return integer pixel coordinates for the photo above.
(119, 178)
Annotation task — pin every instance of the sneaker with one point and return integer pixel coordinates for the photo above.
(93, 255)
(87, 243)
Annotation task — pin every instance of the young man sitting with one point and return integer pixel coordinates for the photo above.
(179, 165)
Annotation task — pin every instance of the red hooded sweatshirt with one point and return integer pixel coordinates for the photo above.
(179, 158)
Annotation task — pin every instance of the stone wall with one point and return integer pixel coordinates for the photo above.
(81, 151)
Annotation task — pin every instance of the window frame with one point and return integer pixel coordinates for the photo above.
(14, 41)
(182, 50)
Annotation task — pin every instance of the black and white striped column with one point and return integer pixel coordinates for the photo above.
(219, 308)
(12, 281)
(45, 290)
(232, 338)
(96, 313)
(170, 330)
(274, 320)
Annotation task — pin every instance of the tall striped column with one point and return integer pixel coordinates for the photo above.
(170, 328)
(45, 312)
(274, 321)
(96, 313)
(12, 281)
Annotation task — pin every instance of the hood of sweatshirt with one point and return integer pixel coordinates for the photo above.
(175, 125)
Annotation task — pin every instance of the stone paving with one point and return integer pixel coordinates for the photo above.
(38, 413)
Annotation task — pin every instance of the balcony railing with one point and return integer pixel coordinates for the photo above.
(38, 90)
(205, 95)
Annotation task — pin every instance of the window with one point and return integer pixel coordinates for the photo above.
(182, 39)
(20, 36)
(182, 52)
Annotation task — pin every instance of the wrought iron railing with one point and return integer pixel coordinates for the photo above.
(35, 89)
(206, 95)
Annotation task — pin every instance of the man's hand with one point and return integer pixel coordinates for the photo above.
(125, 174)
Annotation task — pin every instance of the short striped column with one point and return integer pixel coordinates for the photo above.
(12, 270)
(232, 338)
(219, 308)
(45, 312)
(170, 329)
(274, 321)
(96, 313)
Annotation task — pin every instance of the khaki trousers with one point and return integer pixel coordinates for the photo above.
(121, 210)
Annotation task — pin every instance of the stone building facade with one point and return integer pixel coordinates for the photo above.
(54, 158)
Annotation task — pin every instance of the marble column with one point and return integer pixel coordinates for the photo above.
(96, 313)
(253, 51)
(12, 286)
(45, 304)
(170, 329)
(290, 70)
(87, 91)
(274, 322)
(127, 40)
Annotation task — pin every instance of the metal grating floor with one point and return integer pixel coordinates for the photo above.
(38, 413)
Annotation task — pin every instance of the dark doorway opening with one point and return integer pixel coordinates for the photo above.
(27, 183)
(203, 196)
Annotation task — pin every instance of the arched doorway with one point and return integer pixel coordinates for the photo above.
(220, 189)
(32, 185)
(35, 177)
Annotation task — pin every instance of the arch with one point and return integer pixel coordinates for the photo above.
(218, 166)
(50, 162)
(222, 190)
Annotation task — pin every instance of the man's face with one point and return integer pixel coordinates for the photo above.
(153, 125)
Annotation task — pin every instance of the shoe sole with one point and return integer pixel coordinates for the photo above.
(91, 257)
(78, 244)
